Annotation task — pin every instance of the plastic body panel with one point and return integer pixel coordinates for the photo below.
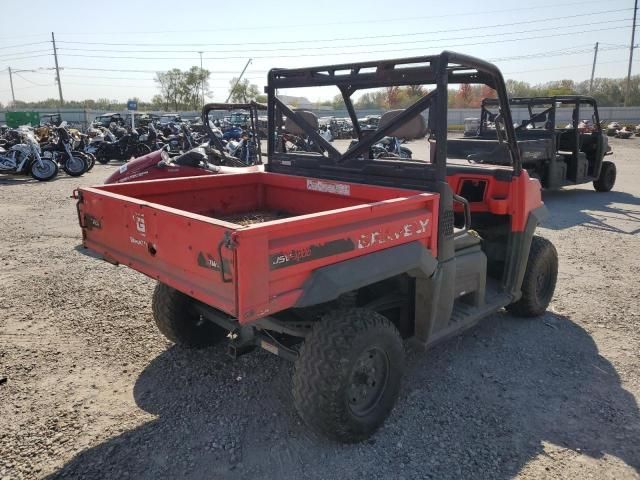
(168, 230)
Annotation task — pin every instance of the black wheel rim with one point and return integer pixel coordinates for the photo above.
(368, 381)
(543, 282)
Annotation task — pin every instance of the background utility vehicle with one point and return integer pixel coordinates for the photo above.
(570, 150)
(332, 259)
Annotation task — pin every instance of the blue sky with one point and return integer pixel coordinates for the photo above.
(111, 49)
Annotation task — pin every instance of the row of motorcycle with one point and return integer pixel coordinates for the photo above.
(22, 151)
(122, 143)
(43, 151)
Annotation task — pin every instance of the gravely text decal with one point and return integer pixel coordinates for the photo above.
(386, 235)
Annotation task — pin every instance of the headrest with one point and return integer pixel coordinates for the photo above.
(291, 127)
(414, 128)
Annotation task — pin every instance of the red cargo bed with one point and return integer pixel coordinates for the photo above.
(174, 231)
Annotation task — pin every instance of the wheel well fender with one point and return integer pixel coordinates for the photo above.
(328, 283)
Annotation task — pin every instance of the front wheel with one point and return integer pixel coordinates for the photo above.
(348, 374)
(44, 171)
(177, 319)
(405, 153)
(141, 149)
(607, 178)
(539, 281)
(75, 165)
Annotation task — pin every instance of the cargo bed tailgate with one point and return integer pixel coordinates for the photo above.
(173, 246)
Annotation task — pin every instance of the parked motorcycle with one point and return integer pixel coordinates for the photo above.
(123, 148)
(25, 158)
(151, 138)
(390, 147)
(245, 149)
(81, 144)
(74, 163)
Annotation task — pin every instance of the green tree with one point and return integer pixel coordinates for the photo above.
(516, 88)
(170, 84)
(182, 89)
(194, 81)
(243, 91)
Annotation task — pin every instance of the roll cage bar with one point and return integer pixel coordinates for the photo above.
(552, 101)
(439, 70)
(251, 107)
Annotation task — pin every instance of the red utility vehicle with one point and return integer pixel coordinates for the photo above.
(331, 259)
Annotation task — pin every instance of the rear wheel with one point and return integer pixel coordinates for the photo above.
(75, 165)
(177, 319)
(539, 279)
(91, 159)
(45, 171)
(607, 178)
(348, 375)
(101, 157)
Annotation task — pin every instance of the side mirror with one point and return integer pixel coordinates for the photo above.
(166, 158)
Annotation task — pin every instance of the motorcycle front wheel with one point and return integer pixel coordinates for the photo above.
(141, 149)
(45, 171)
(75, 165)
(405, 153)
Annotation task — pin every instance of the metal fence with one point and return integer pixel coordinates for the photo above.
(456, 116)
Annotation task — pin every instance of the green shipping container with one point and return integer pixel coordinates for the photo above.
(17, 119)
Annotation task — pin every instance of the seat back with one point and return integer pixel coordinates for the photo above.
(414, 128)
(293, 128)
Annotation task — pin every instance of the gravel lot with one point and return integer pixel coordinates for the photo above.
(90, 389)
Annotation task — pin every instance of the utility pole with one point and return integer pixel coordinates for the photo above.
(593, 70)
(202, 75)
(633, 38)
(240, 78)
(55, 56)
(13, 95)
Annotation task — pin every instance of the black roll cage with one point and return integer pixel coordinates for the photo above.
(552, 101)
(252, 107)
(439, 70)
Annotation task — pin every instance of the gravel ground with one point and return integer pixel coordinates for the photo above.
(90, 389)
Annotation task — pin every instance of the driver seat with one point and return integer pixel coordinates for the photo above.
(410, 130)
(294, 129)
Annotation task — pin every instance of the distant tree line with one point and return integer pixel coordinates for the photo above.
(182, 90)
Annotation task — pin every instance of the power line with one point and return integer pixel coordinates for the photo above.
(562, 66)
(23, 58)
(502, 40)
(325, 47)
(21, 45)
(385, 20)
(27, 88)
(491, 35)
(2, 56)
(29, 81)
(574, 50)
(401, 35)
